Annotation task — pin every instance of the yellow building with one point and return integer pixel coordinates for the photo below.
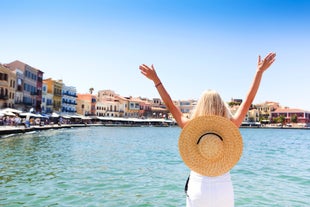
(265, 109)
(7, 87)
(55, 87)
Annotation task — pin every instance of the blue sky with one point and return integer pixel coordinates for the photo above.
(195, 45)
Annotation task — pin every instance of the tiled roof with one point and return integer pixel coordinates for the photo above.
(289, 110)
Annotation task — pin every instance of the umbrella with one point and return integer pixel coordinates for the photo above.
(28, 114)
(54, 115)
(12, 110)
(8, 113)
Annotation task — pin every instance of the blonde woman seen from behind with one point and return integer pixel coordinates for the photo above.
(204, 190)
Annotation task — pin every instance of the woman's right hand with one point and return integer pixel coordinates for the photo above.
(264, 64)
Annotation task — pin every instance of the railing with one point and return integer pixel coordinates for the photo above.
(69, 94)
(4, 97)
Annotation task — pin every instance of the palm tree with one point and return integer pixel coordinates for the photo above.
(91, 90)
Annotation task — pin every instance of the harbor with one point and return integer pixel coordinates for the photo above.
(141, 166)
(77, 122)
(69, 122)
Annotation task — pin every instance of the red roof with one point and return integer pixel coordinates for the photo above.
(289, 110)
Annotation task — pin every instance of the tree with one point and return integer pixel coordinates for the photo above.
(294, 118)
(281, 119)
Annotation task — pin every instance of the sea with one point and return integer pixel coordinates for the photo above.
(141, 167)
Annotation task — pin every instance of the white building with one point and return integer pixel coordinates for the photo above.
(68, 100)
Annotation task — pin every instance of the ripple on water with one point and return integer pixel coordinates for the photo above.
(101, 166)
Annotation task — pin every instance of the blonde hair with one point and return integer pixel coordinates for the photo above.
(211, 103)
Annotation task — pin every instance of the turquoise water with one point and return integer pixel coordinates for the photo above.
(102, 166)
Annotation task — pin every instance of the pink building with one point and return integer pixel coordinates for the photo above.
(302, 115)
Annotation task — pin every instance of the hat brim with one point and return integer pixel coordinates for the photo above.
(232, 145)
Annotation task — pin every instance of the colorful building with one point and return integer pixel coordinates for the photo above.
(47, 100)
(7, 87)
(55, 87)
(86, 104)
(68, 103)
(291, 115)
(32, 84)
(265, 110)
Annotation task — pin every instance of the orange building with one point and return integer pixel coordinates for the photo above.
(86, 104)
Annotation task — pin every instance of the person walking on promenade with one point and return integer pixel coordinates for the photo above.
(213, 189)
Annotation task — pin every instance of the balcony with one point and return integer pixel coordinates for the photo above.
(69, 94)
(4, 97)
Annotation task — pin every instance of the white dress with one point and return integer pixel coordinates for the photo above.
(204, 191)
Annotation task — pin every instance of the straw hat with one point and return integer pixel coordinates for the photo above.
(210, 145)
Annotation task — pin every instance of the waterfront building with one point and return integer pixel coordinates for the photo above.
(159, 109)
(145, 108)
(32, 84)
(123, 105)
(107, 108)
(157, 102)
(39, 90)
(186, 106)
(86, 104)
(291, 116)
(106, 95)
(19, 92)
(55, 87)
(133, 107)
(68, 103)
(249, 115)
(110, 104)
(158, 112)
(7, 87)
(47, 100)
(252, 116)
(265, 110)
(236, 101)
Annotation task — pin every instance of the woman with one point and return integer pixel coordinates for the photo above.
(204, 190)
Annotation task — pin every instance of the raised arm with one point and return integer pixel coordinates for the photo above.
(262, 66)
(151, 74)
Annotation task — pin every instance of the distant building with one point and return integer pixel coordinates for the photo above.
(236, 101)
(68, 102)
(110, 104)
(145, 108)
(47, 100)
(55, 87)
(133, 107)
(86, 104)
(7, 87)
(289, 113)
(186, 106)
(265, 110)
(32, 80)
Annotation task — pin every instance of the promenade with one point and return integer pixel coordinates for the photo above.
(6, 130)
(11, 130)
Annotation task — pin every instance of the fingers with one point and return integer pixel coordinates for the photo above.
(143, 66)
(146, 68)
(147, 71)
(270, 58)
